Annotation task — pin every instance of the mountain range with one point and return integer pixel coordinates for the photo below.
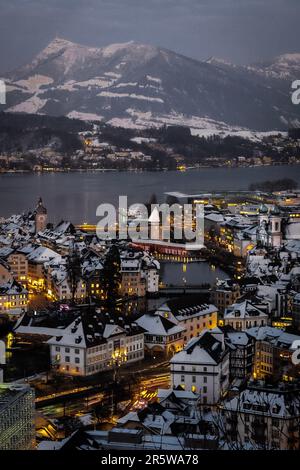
(138, 85)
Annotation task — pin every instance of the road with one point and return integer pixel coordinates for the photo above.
(69, 404)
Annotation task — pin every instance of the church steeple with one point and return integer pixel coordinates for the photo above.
(40, 209)
(40, 216)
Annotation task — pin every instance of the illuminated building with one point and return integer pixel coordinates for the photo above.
(5, 272)
(225, 293)
(243, 315)
(95, 343)
(19, 266)
(242, 347)
(203, 367)
(140, 273)
(264, 417)
(13, 299)
(163, 336)
(40, 217)
(192, 313)
(17, 426)
(272, 352)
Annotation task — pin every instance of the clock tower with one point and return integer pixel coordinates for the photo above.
(40, 217)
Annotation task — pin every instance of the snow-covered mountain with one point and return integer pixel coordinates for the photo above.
(285, 67)
(138, 85)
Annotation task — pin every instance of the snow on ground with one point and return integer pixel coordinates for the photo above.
(34, 83)
(69, 86)
(121, 85)
(72, 85)
(126, 123)
(31, 106)
(110, 94)
(97, 81)
(113, 74)
(153, 79)
(202, 127)
(113, 48)
(120, 65)
(84, 116)
(141, 140)
(86, 420)
(12, 88)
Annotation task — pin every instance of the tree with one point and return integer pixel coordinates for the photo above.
(73, 270)
(111, 275)
(102, 412)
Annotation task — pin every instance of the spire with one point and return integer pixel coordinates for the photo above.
(263, 209)
(275, 210)
(40, 209)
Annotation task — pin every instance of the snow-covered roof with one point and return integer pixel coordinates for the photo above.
(157, 325)
(214, 217)
(12, 288)
(271, 402)
(292, 231)
(111, 330)
(205, 349)
(275, 336)
(41, 254)
(243, 310)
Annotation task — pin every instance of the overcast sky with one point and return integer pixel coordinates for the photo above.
(241, 31)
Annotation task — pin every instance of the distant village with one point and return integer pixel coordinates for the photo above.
(229, 350)
(172, 148)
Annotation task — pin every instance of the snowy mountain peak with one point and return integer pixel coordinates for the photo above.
(284, 66)
(217, 61)
(112, 49)
(130, 84)
(292, 58)
(57, 44)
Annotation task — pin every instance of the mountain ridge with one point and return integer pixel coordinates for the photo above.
(133, 84)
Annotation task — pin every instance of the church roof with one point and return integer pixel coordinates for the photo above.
(40, 209)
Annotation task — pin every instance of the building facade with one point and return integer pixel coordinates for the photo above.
(203, 367)
(17, 425)
(96, 343)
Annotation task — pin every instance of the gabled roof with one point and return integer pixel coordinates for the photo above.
(205, 349)
(242, 310)
(158, 325)
(12, 288)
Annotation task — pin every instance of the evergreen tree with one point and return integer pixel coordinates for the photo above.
(111, 275)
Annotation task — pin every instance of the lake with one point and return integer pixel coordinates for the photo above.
(75, 196)
(190, 274)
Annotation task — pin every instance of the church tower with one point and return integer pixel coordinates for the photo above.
(263, 220)
(40, 217)
(274, 228)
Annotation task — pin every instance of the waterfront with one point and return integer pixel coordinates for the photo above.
(190, 274)
(75, 196)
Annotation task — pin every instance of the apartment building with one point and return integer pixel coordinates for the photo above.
(17, 425)
(95, 343)
(203, 367)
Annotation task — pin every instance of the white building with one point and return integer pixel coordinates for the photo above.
(95, 343)
(269, 230)
(13, 299)
(163, 336)
(203, 367)
(59, 285)
(191, 314)
(243, 315)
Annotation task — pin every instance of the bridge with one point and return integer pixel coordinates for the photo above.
(177, 290)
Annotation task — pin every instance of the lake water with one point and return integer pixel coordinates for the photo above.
(190, 274)
(75, 196)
